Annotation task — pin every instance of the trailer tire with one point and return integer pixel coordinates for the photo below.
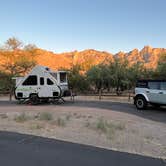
(34, 99)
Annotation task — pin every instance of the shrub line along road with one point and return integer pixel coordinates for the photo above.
(27, 150)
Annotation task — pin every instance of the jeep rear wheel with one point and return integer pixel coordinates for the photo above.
(140, 103)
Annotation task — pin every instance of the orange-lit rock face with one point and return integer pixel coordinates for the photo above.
(148, 55)
(87, 58)
(54, 61)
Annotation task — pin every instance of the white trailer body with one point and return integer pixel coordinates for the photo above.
(42, 83)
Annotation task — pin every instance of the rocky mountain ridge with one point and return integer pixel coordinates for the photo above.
(87, 58)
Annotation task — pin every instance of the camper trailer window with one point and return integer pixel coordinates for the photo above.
(63, 77)
(31, 80)
(49, 82)
(41, 80)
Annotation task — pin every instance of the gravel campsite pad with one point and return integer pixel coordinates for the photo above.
(112, 123)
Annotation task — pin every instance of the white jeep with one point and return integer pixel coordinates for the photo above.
(150, 92)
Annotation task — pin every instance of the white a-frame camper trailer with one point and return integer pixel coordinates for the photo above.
(42, 84)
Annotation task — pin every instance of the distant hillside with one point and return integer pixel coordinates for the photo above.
(87, 58)
(148, 55)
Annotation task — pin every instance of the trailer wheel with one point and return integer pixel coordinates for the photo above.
(34, 99)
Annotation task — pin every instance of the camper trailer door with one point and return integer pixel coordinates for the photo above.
(48, 88)
(44, 89)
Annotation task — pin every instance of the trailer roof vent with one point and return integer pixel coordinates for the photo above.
(47, 69)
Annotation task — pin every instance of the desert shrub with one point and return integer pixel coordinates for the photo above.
(60, 122)
(46, 116)
(108, 128)
(21, 118)
(68, 117)
(36, 126)
(101, 125)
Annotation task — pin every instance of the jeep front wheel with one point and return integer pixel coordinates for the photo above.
(140, 103)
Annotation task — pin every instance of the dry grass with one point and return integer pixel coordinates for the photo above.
(149, 138)
(101, 125)
(105, 127)
(46, 116)
(21, 118)
(60, 122)
(87, 124)
(113, 128)
(68, 117)
(36, 127)
(3, 116)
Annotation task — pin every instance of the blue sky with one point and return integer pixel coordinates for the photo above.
(66, 25)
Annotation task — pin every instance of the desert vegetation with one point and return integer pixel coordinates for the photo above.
(108, 128)
(116, 76)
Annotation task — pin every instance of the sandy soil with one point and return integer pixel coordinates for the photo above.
(112, 123)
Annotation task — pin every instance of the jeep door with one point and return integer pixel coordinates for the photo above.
(153, 92)
(163, 92)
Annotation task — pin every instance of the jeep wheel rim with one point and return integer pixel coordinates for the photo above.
(140, 103)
